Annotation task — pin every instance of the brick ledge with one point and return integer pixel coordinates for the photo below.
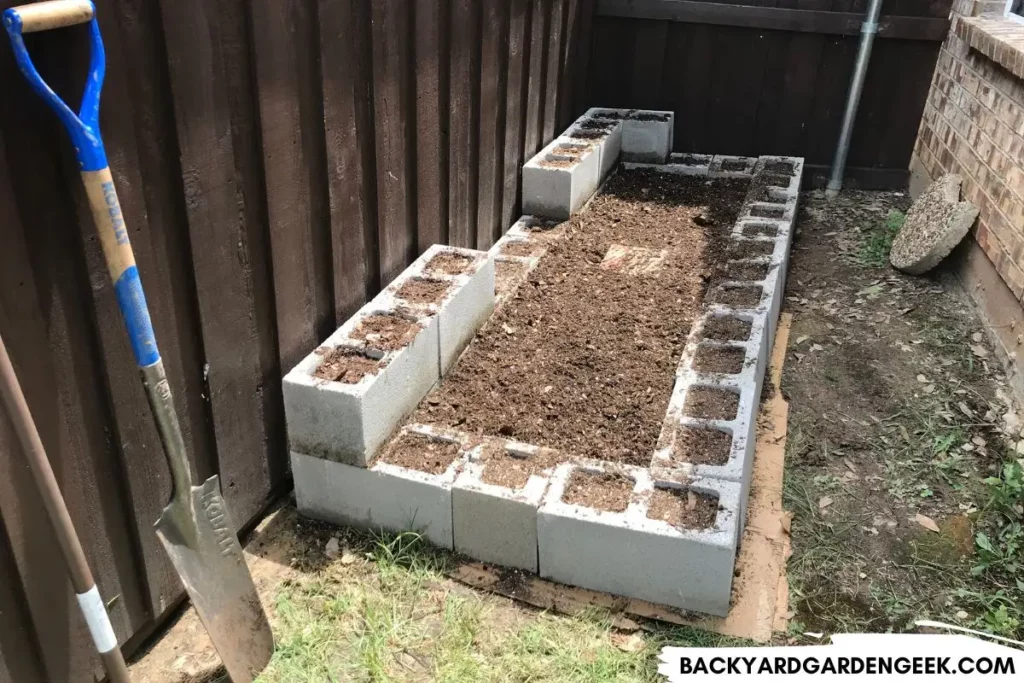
(998, 38)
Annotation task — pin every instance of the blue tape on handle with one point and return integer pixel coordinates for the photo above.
(132, 302)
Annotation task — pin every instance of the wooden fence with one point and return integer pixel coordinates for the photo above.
(278, 162)
(755, 77)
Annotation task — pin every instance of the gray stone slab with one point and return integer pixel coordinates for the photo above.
(936, 223)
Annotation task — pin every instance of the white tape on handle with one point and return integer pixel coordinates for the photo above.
(95, 613)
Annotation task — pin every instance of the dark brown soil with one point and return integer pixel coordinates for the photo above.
(506, 274)
(727, 328)
(589, 134)
(768, 211)
(734, 165)
(592, 124)
(421, 453)
(720, 359)
(521, 248)
(346, 365)
(609, 115)
(741, 249)
(776, 180)
(601, 491)
(749, 270)
(634, 116)
(741, 296)
(701, 446)
(783, 167)
(448, 263)
(386, 331)
(709, 403)
(540, 226)
(583, 359)
(683, 509)
(759, 230)
(419, 290)
(511, 469)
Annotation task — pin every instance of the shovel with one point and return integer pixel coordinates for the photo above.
(195, 527)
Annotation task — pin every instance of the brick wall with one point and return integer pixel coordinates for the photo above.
(973, 124)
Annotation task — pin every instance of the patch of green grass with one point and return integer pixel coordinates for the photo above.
(877, 241)
(392, 615)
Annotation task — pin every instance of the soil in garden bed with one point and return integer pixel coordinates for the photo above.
(583, 359)
(448, 263)
(700, 446)
(521, 248)
(602, 491)
(683, 509)
(507, 274)
(727, 328)
(423, 291)
(346, 365)
(386, 331)
(420, 452)
(512, 470)
(708, 403)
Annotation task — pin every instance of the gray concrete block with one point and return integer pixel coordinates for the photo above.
(349, 422)
(494, 523)
(466, 306)
(383, 496)
(609, 146)
(559, 180)
(631, 555)
(647, 135)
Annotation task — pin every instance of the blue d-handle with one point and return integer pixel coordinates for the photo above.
(92, 159)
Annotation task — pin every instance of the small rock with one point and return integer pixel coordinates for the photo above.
(333, 548)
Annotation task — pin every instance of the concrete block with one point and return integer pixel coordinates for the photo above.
(607, 135)
(725, 166)
(494, 523)
(383, 496)
(559, 180)
(631, 555)
(349, 422)
(466, 306)
(647, 135)
(679, 164)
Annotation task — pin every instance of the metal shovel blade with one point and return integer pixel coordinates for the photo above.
(199, 537)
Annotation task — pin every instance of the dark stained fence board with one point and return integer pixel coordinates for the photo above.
(431, 58)
(294, 163)
(463, 117)
(553, 69)
(352, 199)
(515, 109)
(532, 135)
(208, 79)
(393, 108)
(491, 124)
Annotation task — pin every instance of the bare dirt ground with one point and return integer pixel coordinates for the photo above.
(901, 467)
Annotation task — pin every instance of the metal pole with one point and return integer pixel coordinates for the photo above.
(868, 31)
(89, 600)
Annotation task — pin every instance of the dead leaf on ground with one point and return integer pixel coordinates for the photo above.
(979, 350)
(824, 502)
(927, 522)
(631, 643)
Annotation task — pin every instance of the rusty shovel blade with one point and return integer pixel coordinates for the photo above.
(199, 537)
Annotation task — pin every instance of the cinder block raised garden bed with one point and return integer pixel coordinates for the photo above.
(599, 429)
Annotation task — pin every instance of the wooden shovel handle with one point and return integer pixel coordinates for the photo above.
(42, 16)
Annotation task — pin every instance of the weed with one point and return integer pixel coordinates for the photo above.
(877, 242)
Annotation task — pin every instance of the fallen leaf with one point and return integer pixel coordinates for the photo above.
(927, 522)
(979, 350)
(824, 502)
(332, 549)
(801, 339)
(964, 409)
(631, 643)
(817, 347)
(922, 379)
(929, 389)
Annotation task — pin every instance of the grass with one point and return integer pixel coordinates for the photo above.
(877, 241)
(392, 615)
